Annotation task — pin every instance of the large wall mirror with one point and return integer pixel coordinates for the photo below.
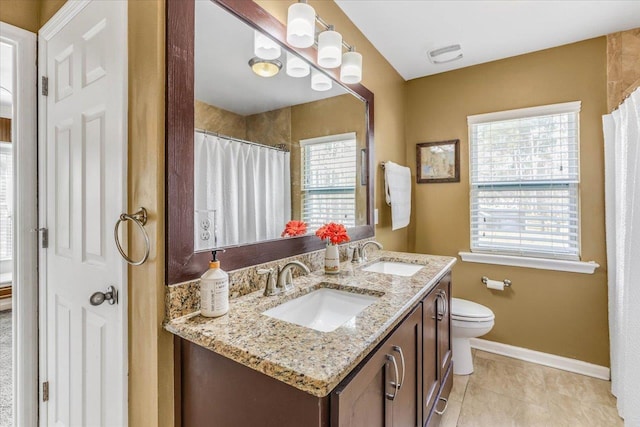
(248, 153)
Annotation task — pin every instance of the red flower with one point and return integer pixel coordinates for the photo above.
(294, 228)
(333, 232)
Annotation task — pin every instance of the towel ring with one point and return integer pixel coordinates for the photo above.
(139, 218)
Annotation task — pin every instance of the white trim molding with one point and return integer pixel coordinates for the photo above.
(583, 267)
(25, 250)
(542, 110)
(66, 13)
(545, 359)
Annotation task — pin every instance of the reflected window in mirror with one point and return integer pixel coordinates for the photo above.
(329, 180)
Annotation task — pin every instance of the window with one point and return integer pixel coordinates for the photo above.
(524, 182)
(6, 201)
(329, 180)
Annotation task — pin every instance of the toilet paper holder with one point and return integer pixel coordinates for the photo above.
(485, 279)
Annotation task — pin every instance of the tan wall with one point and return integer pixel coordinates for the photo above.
(214, 119)
(387, 85)
(30, 15)
(21, 13)
(150, 347)
(554, 312)
(48, 8)
(270, 127)
(623, 65)
(340, 114)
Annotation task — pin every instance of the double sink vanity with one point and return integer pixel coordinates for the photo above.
(370, 346)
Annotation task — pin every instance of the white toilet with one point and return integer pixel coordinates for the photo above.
(468, 320)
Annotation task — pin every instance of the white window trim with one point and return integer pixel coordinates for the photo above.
(583, 267)
(329, 138)
(542, 110)
(544, 263)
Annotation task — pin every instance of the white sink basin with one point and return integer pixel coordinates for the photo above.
(395, 268)
(323, 310)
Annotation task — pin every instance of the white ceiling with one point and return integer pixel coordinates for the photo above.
(223, 48)
(403, 31)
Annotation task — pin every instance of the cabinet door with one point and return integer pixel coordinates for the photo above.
(406, 347)
(376, 395)
(361, 399)
(430, 363)
(444, 325)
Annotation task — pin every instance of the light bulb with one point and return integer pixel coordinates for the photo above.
(296, 66)
(301, 25)
(329, 48)
(351, 70)
(319, 81)
(264, 47)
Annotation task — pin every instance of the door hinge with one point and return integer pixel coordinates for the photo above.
(45, 86)
(45, 236)
(45, 391)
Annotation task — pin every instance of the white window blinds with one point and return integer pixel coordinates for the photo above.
(524, 181)
(6, 202)
(329, 180)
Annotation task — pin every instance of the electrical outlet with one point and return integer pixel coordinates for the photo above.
(205, 235)
(205, 224)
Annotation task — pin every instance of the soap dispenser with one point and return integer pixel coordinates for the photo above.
(214, 290)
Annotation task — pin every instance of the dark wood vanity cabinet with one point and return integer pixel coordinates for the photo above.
(386, 389)
(404, 382)
(437, 377)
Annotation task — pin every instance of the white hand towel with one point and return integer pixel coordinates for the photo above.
(397, 184)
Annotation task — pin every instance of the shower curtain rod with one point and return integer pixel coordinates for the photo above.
(280, 147)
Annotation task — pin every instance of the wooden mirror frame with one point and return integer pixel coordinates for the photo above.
(182, 263)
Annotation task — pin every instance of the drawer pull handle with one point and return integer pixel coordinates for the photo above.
(394, 383)
(446, 404)
(399, 350)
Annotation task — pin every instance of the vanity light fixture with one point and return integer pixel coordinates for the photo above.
(265, 67)
(351, 69)
(329, 48)
(264, 47)
(296, 66)
(445, 54)
(301, 25)
(320, 81)
(301, 32)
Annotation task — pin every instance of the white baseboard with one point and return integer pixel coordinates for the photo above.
(546, 359)
(5, 304)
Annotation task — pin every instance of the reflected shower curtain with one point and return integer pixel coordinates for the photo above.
(622, 201)
(246, 189)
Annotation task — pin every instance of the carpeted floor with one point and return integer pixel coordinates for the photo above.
(6, 388)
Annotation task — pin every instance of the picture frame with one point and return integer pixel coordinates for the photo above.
(438, 161)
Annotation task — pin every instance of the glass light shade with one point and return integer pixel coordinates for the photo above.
(319, 81)
(265, 67)
(351, 70)
(329, 49)
(264, 47)
(301, 25)
(296, 66)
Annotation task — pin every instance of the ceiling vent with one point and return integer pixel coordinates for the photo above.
(445, 54)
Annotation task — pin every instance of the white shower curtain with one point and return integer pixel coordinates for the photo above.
(622, 200)
(248, 186)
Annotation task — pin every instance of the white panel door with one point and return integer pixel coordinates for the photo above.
(86, 350)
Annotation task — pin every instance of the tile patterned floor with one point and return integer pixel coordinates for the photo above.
(506, 392)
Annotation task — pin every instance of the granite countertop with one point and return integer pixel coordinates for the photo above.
(313, 361)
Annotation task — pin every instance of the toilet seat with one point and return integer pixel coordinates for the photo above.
(469, 311)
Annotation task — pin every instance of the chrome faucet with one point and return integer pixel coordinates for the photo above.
(270, 289)
(285, 278)
(363, 247)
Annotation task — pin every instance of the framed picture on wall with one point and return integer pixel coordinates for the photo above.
(438, 161)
